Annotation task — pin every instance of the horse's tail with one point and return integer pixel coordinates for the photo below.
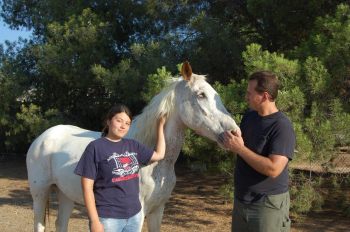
(47, 212)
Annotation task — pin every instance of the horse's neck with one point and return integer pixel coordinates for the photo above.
(174, 136)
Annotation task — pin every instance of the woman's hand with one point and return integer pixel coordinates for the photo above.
(96, 226)
(161, 121)
(89, 199)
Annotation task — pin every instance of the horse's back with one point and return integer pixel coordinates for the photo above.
(58, 138)
(54, 154)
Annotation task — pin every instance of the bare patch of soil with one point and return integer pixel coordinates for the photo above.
(195, 205)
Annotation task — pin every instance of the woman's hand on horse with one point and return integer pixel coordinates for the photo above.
(162, 120)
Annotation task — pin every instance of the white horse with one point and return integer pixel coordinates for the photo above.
(188, 102)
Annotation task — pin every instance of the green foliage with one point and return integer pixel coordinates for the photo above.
(327, 130)
(255, 59)
(341, 198)
(304, 148)
(217, 43)
(330, 43)
(344, 198)
(292, 102)
(155, 83)
(340, 121)
(226, 165)
(227, 191)
(232, 96)
(195, 146)
(120, 81)
(346, 205)
(319, 129)
(316, 77)
(65, 65)
(15, 88)
(283, 24)
(29, 123)
(304, 197)
(8, 92)
(34, 121)
(201, 149)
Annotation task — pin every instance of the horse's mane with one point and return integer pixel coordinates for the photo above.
(162, 104)
(145, 124)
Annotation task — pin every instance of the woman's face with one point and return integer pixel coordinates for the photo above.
(118, 126)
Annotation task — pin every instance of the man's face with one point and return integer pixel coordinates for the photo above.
(253, 98)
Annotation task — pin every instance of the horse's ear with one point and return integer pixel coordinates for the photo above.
(186, 71)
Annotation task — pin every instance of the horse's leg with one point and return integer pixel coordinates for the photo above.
(65, 208)
(154, 219)
(40, 197)
(142, 219)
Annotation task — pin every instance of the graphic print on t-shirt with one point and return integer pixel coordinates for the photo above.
(126, 166)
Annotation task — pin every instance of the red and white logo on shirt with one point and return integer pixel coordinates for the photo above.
(126, 164)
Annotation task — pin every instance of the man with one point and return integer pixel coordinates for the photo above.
(266, 145)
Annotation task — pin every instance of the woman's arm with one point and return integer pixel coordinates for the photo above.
(159, 152)
(89, 198)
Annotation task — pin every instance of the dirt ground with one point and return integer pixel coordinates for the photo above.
(195, 205)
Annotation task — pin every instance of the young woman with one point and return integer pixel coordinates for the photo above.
(109, 174)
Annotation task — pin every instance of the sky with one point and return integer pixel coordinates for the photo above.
(12, 35)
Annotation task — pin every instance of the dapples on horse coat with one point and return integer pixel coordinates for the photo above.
(188, 102)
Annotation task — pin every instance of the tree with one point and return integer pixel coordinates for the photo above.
(330, 43)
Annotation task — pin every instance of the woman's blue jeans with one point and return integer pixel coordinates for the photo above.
(132, 224)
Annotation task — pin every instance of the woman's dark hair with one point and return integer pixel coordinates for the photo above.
(116, 109)
(266, 82)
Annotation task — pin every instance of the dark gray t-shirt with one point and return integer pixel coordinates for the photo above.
(114, 168)
(272, 134)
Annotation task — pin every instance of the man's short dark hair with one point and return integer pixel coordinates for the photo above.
(266, 82)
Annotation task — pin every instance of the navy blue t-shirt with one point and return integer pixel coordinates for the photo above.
(114, 168)
(272, 134)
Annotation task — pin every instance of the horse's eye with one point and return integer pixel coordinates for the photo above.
(201, 95)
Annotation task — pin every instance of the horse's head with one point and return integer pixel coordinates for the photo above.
(200, 107)
(191, 102)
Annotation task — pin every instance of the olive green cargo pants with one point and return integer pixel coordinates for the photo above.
(270, 215)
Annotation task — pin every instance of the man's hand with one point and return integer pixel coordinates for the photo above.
(232, 141)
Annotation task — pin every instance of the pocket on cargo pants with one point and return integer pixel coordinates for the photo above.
(278, 215)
